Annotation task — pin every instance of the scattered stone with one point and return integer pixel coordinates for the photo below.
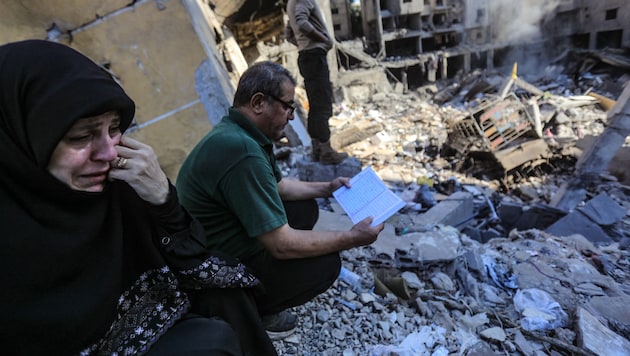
(441, 281)
(494, 334)
(323, 315)
(367, 298)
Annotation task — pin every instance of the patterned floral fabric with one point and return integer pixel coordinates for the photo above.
(155, 302)
(216, 273)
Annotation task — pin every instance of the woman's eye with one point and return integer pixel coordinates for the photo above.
(114, 131)
(80, 138)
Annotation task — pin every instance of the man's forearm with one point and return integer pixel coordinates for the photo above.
(288, 243)
(290, 189)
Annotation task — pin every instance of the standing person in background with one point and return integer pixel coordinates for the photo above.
(307, 30)
(98, 257)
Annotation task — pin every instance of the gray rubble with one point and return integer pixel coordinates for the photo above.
(473, 264)
(470, 299)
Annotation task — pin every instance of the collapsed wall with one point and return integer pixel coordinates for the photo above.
(163, 53)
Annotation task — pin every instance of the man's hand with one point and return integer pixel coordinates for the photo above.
(336, 183)
(365, 233)
(321, 37)
(137, 165)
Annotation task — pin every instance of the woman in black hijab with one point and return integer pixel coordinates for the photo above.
(97, 255)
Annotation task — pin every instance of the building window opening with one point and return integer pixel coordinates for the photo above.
(480, 16)
(611, 14)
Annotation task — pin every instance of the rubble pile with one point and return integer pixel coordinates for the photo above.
(478, 262)
(530, 292)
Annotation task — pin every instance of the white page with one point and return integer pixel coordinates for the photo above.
(368, 196)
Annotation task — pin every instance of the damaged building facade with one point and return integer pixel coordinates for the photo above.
(420, 42)
(438, 38)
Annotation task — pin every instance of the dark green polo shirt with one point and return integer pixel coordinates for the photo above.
(229, 182)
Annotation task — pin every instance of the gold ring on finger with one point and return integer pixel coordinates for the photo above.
(121, 163)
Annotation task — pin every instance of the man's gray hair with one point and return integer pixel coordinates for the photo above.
(262, 77)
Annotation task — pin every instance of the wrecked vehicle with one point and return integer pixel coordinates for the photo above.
(501, 132)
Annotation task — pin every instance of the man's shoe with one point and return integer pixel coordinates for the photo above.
(281, 325)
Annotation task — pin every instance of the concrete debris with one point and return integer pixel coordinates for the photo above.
(478, 228)
(577, 223)
(455, 210)
(521, 292)
(603, 210)
(597, 339)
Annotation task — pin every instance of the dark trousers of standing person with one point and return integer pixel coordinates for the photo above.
(289, 283)
(313, 67)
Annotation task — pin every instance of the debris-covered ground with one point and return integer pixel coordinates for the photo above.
(479, 262)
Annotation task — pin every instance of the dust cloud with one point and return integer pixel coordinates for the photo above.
(518, 21)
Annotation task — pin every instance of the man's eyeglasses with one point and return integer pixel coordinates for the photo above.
(289, 107)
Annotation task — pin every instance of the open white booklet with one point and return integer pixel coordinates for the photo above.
(368, 196)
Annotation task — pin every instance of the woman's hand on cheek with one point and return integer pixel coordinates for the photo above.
(138, 165)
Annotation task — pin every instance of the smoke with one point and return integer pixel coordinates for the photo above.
(518, 21)
(516, 24)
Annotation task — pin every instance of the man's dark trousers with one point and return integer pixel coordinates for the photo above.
(289, 283)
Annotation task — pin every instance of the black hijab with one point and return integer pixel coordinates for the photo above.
(64, 260)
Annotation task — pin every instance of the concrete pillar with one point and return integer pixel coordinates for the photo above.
(596, 158)
(467, 62)
(324, 6)
(444, 73)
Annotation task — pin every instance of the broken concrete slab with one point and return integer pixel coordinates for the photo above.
(495, 334)
(603, 210)
(537, 216)
(455, 210)
(434, 246)
(523, 345)
(509, 213)
(598, 339)
(385, 247)
(310, 171)
(578, 223)
(613, 312)
(414, 249)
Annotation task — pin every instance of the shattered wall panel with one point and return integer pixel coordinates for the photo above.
(155, 59)
(151, 47)
(33, 18)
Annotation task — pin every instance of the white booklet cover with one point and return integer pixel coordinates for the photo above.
(368, 196)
